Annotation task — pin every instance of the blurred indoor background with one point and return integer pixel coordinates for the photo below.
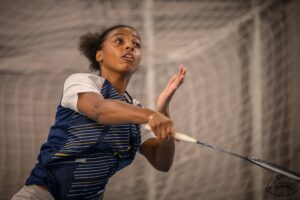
(241, 92)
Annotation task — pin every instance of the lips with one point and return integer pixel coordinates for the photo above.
(128, 57)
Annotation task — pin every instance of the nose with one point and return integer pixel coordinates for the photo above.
(129, 46)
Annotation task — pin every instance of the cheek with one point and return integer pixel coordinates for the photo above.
(110, 54)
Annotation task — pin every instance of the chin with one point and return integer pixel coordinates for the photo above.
(129, 69)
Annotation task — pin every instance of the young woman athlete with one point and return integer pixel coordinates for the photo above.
(97, 128)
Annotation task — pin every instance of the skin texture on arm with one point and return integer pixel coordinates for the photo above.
(111, 111)
(160, 151)
(108, 111)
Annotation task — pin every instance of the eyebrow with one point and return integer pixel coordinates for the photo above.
(124, 34)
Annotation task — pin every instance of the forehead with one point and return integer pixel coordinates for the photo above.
(123, 31)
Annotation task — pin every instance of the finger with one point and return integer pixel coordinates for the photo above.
(166, 131)
(180, 80)
(182, 68)
(158, 132)
(170, 131)
(179, 76)
(160, 128)
(172, 79)
(153, 123)
(182, 76)
(169, 128)
(185, 69)
(183, 72)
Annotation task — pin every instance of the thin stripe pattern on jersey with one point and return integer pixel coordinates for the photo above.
(79, 157)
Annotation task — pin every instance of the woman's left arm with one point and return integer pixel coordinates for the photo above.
(160, 151)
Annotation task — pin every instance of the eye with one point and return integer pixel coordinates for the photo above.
(137, 45)
(118, 41)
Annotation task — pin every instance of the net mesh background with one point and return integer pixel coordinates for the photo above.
(236, 94)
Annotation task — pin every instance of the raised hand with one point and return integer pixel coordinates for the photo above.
(166, 95)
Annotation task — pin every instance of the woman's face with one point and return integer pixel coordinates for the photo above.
(121, 51)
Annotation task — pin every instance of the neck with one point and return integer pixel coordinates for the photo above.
(118, 81)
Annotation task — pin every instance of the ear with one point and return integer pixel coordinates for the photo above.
(99, 56)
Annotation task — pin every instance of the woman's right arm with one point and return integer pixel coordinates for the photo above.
(108, 111)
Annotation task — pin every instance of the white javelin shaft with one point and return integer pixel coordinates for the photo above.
(178, 136)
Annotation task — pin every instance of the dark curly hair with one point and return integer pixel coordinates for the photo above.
(90, 43)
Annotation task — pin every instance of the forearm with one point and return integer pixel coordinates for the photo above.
(159, 152)
(165, 109)
(115, 112)
(163, 105)
(164, 154)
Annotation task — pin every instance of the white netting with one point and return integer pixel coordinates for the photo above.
(235, 95)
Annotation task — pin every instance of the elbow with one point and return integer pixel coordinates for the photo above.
(159, 153)
(163, 167)
(164, 161)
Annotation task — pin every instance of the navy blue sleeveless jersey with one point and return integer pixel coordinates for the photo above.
(80, 154)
